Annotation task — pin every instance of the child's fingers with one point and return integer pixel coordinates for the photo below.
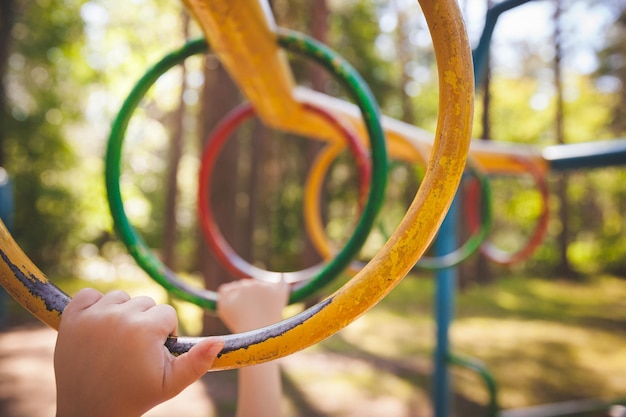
(83, 299)
(165, 318)
(141, 303)
(226, 287)
(115, 297)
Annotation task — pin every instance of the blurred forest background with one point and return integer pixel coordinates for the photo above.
(67, 65)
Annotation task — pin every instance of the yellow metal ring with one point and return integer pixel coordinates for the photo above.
(416, 231)
(312, 191)
(419, 226)
(318, 235)
(312, 204)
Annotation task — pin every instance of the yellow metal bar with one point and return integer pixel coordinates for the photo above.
(410, 143)
(27, 284)
(242, 34)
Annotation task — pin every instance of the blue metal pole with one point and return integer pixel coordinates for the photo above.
(445, 243)
(481, 52)
(6, 214)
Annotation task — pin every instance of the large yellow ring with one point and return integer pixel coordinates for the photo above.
(20, 276)
(419, 226)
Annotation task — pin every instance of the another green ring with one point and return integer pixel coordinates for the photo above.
(294, 42)
(473, 243)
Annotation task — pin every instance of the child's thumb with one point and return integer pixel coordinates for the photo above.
(189, 367)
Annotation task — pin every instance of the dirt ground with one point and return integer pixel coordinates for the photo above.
(315, 384)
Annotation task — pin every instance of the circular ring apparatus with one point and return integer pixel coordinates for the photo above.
(25, 282)
(473, 243)
(317, 233)
(503, 257)
(312, 215)
(227, 256)
(206, 298)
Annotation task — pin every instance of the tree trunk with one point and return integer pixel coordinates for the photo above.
(564, 267)
(477, 268)
(6, 23)
(405, 55)
(219, 96)
(258, 155)
(170, 231)
(483, 272)
(319, 78)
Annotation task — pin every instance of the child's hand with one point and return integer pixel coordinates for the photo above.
(110, 359)
(249, 304)
(245, 305)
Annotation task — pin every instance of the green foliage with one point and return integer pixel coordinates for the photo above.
(611, 73)
(600, 226)
(523, 111)
(353, 32)
(43, 100)
(280, 192)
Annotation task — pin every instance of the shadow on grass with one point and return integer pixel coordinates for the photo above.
(415, 371)
(556, 377)
(298, 398)
(533, 368)
(595, 303)
(221, 387)
(598, 303)
(548, 372)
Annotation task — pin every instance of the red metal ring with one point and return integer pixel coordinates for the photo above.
(225, 254)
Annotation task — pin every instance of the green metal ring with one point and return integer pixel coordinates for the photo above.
(473, 243)
(296, 43)
(493, 407)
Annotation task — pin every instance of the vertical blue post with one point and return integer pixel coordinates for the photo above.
(445, 243)
(6, 199)
(6, 214)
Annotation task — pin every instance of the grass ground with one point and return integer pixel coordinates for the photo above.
(543, 340)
